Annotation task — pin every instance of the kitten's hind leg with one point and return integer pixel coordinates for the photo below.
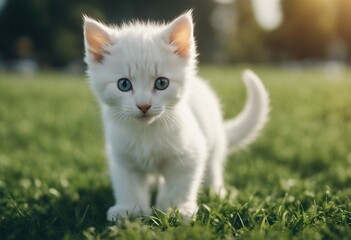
(214, 178)
(214, 181)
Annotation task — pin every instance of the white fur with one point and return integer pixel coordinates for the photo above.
(184, 139)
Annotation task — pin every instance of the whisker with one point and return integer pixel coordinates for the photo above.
(172, 119)
(167, 123)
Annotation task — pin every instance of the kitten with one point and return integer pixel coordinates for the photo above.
(162, 122)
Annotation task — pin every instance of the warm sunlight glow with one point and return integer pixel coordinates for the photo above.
(268, 13)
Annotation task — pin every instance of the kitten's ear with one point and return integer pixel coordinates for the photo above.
(180, 34)
(96, 37)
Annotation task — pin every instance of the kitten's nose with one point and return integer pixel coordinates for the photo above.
(144, 107)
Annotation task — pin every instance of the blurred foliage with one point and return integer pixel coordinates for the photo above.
(311, 29)
(55, 26)
(247, 42)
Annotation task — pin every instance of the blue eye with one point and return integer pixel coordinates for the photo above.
(124, 84)
(161, 83)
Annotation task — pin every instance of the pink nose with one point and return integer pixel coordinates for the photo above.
(144, 107)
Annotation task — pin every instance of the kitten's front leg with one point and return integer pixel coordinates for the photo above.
(131, 192)
(181, 186)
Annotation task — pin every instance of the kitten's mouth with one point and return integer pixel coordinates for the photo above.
(145, 117)
(148, 117)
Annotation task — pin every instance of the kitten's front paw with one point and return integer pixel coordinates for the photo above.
(117, 211)
(188, 211)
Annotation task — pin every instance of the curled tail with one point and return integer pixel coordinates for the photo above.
(244, 128)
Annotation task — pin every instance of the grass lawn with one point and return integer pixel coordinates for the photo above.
(294, 182)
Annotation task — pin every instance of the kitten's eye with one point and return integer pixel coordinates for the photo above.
(161, 83)
(124, 84)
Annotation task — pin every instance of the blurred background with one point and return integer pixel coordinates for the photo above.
(39, 34)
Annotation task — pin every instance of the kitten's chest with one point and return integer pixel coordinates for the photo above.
(146, 150)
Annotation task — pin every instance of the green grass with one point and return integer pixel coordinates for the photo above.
(294, 182)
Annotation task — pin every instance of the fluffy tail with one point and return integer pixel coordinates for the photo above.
(244, 128)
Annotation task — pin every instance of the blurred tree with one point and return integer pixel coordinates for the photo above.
(344, 24)
(55, 26)
(307, 29)
(246, 43)
(24, 13)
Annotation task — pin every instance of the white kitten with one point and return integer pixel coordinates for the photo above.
(161, 120)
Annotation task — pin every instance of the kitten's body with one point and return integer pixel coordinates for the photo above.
(175, 135)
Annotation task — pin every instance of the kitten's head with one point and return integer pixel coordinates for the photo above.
(140, 70)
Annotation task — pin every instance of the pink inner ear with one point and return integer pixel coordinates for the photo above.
(96, 38)
(181, 38)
